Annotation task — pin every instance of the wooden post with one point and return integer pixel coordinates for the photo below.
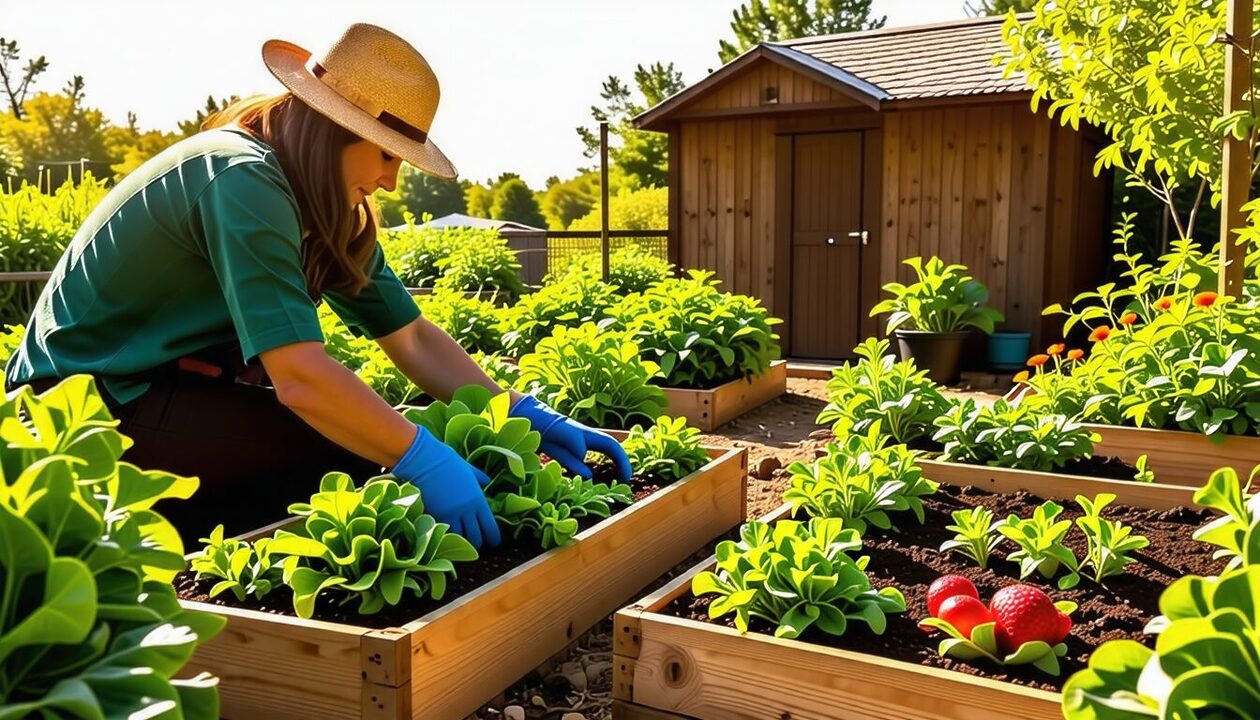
(1236, 157)
(603, 195)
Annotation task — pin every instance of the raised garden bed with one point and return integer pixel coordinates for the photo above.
(446, 661)
(708, 409)
(672, 661)
(1178, 457)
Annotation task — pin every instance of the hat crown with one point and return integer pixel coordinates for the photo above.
(380, 72)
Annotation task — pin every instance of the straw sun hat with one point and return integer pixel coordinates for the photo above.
(374, 84)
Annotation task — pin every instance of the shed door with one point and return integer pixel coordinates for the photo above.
(826, 244)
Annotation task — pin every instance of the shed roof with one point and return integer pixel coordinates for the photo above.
(875, 67)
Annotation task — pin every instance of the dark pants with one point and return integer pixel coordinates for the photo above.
(253, 455)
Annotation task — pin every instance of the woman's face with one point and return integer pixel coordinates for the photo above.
(366, 167)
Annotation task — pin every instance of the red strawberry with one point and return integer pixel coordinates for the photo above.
(1024, 613)
(946, 587)
(964, 613)
(1065, 625)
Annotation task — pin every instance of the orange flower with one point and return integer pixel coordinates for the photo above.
(1164, 303)
(1021, 376)
(1038, 360)
(1102, 332)
(1056, 349)
(1128, 318)
(1075, 354)
(1206, 299)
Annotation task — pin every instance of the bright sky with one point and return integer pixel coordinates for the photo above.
(517, 75)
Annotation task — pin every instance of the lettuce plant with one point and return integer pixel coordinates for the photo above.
(943, 300)
(595, 375)
(667, 451)
(700, 336)
(370, 543)
(483, 262)
(90, 625)
(1232, 531)
(10, 338)
(796, 576)
(976, 534)
(1015, 435)
(498, 368)
(1040, 540)
(242, 567)
(861, 480)
(365, 358)
(879, 388)
(571, 303)
(469, 320)
(548, 505)
(1108, 542)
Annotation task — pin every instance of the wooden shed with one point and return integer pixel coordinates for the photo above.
(804, 171)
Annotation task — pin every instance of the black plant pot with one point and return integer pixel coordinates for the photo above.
(938, 353)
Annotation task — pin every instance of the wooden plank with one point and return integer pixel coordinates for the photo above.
(890, 217)
(474, 647)
(689, 233)
(910, 241)
(1178, 457)
(1033, 277)
(629, 711)
(726, 203)
(871, 253)
(708, 196)
(783, 237)
(953, 147)
(673, 242)
(1022, 304)
(977, 191)
(709, 409)
(765, 218)
(994, 269)
(1157, 496)
(933, 160)
(744, 150)
(711, 671)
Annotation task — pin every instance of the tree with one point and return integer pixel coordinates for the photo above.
(985, 8)
(55, 130)
(515, 201)
(564, 202)
(479, 199)
(189, 128)
(16, 89)
(640, 156)
(770, 20)
(419, 193)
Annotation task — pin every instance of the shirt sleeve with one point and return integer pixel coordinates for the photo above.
(381, 308)
(252, 239)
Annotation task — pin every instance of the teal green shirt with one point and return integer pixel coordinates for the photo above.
(199, 246)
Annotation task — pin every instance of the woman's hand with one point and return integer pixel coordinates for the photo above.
(566, 441)
(450, 488)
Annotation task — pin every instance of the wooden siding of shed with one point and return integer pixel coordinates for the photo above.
(745, 92)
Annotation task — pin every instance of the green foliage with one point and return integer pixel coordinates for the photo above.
(244, 568)
(861, 480)
(1109, 542)
(642, 209)
(638, 157)
(1203, 666)
(471, 321)
(514, 201)
(479, 200)
(700, 336)
(90, 626)
(595, 375)
(758, 21)
(983, 643)
(471, 259)
(524, 495)
(564, 202)
(631, 268)
(1015, 435)
(984, 8)
(504, 372)
(576, 301)
(35, 229)
(976, 534)
(796, 576)
(880, 389)
(370, 543)
(1040, 541)
(1232, 532)
(1142, 473)
(419, 194)
(365, 358)
(943, 300)
(667, 451)
(10, 339)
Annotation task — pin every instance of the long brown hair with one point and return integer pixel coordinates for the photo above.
(342, 238)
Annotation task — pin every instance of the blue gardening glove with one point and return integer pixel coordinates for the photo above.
(566, 441)
(450, 488)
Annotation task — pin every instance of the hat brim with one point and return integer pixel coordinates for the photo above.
(287, 62)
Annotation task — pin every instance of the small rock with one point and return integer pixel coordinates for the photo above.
(514, 712)
(765, 469)
(537, 700)
(572, 716)
(594, 670)
(577, 679)
(820, 434)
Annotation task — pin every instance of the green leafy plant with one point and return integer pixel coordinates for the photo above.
(595, 375)
(1040, 540)
(1142, 472)
(700, 336)
(861, 480)
(498, 368)
(1015, 435)
(244, 568)
(943, 300)
(880, 389)
(365, 358)
(796, 576)
(1109, 542)
(1232, 532)
(470, 321)
(572, 303)
(90, 625)
(10, 339)
(667, 451)
(976, 534)
(631, 268)
(370, 543)
(485, 262)
(549, 505)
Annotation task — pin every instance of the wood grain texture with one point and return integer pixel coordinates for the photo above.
(1178, 457)
(1061, 487)
(708, 409)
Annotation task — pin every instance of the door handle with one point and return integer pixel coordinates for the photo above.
(860, 234)
(831, 241)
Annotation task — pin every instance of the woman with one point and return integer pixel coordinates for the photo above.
(196, 280)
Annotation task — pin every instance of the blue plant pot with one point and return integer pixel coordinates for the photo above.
(1008, 350)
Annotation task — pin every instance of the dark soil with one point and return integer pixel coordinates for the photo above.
(491, 565)
(911, 561)
(1107, 468)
